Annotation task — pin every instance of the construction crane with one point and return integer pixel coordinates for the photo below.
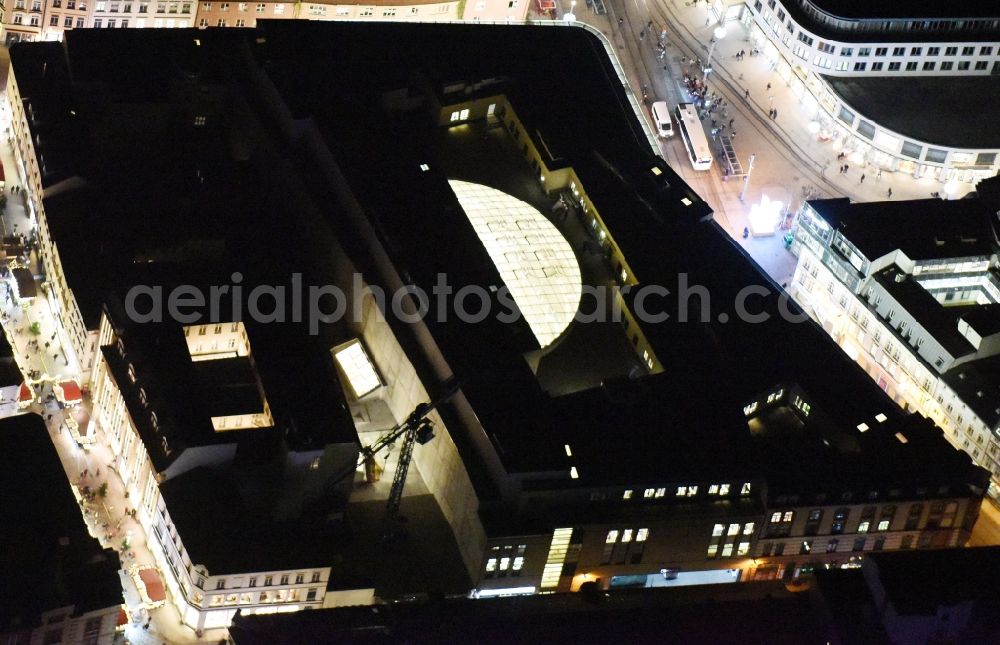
(417, 428)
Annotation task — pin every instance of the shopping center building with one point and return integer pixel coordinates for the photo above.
(605, 432)
(851, 64)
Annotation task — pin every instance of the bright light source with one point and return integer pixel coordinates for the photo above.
(881, 418)
(764, 217)
(354, 361)
(573, 473)
(508, 591)
(686, 201)
(534, 259)
(569, 451)
(902, 438)
(951, 187)
(656, 171)
(424, 167)
(863, 427)
(720, 33)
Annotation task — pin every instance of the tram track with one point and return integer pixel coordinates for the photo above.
(723, 83)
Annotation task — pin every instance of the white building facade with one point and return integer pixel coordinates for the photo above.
(835, 285)
(874, 48)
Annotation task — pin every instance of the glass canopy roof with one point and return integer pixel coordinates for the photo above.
(534, 259)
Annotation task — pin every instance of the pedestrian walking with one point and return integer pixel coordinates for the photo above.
(879, 174)
(774, 114)
(732, 135)
(768, 87)
(846, 168)
(862, 178)
(888, 193)
(746, 94)
(731, 123)
(620, 21)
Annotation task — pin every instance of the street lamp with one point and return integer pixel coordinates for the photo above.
(746, 177)
(720, 33)
(571, 16)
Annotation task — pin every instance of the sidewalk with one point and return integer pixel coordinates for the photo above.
(790, 128)
(44, 356)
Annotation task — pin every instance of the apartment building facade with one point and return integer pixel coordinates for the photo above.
(29, 20)
(918, 356)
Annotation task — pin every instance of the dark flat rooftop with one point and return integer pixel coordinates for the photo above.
(869, 14)
(941, 323)
(875, 9)
(919, 582)
(923, 229)
(761, 613)
(939, 110)
(47, 558)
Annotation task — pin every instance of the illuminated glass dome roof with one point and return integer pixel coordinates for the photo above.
(534, 259)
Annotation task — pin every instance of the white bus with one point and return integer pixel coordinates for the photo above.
(693, 136)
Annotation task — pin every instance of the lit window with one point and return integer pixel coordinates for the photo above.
(727, 550)
(745, 490)
(776, 517)
(724, 489)
(718, 529)
(454, 116)
(734, 529)
(612, 537)
(648, 492)
(682, 491)
(660, 492)
(627, 494)
(354, 361)
(806, 546)
(518, 563)
(713, 549)
(504, 564)
(883, 525)
(573, 473)
(863, 527)
(641, 535)
(713, 489)
(692, 491)
(491, 564)
(569, 451)
(465, 114)
(788, 516)
(315, 464)
(863, 427)
(881, 418)
(743, 549)
(627, 535)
